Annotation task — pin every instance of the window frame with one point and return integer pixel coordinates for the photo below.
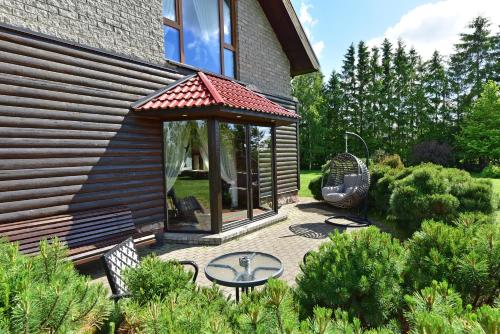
(179, 26)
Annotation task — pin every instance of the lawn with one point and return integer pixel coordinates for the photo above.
(305, 177)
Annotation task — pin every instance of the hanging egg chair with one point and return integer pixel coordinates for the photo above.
(346, 184)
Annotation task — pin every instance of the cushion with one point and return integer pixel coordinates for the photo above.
(325, 191)
(351, 180)
(334, 197)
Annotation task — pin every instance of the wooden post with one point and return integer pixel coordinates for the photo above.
(214, 175)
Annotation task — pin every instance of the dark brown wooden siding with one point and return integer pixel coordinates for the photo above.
(68, 141)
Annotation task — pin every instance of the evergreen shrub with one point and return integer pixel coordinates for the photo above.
(467, 257)
(434, 192)
(491, 170)
(359, 272)
(45, 294)
(393, 161)
(438, 309)
(154, 277)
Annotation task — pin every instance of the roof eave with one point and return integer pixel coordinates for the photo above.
(290, 32)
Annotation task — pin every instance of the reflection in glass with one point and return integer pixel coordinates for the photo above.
(261, 169)
(233, 172)
(171, 43)
(169, 9)
(229, 63)
(186, 175)
(227, 22)
(201, 34)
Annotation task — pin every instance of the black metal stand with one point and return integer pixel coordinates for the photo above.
(360, 221)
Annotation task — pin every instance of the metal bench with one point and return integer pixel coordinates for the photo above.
(87, 234)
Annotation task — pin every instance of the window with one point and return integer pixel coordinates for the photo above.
(201, 34)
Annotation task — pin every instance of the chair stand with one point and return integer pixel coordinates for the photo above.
(360, 221)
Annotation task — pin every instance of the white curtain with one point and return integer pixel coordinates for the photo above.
(177, 135)
(203, 139)
(228, 164)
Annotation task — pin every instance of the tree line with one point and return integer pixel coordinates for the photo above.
(393, 98)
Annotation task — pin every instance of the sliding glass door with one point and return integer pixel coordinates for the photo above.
(233, 166)
(242, 180)
(261, 166)
(187, 176)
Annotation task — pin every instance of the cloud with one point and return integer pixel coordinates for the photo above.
(436, 26)
(308, 22)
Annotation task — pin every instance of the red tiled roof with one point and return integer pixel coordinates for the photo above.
(204, 90)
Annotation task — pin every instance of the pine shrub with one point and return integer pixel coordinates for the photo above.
(154, 278)
(491, 170)
(45, 294)
(468, 257)
(434, 192)
(439, 309)
(359, 272)
(392, 161)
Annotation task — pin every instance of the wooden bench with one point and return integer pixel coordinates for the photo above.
(88, 234)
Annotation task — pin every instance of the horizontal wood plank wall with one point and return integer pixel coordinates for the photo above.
(68, 141)
(286, 151)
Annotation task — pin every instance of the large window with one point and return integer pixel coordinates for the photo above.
(201, 34)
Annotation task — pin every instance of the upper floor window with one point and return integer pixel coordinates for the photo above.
(200, 33)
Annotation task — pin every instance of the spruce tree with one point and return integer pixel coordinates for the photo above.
(474, 62)
(334, 120)
(373, 116)
(401, 92)
(362, 83)
(387, 95)
(349, 87)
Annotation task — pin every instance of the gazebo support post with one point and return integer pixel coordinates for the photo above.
(363, 220)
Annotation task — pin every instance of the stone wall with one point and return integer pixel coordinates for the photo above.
(134, 29)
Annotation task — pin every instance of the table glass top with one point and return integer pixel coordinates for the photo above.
(243, 267)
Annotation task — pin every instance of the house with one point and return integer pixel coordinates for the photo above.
(180, 110)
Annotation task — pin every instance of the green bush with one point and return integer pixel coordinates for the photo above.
(382, 183)
(315, 188)
(156, 278)
(45, 294)
(438, 309)
(434, 192)
(359, 272)
(393, 161)
(492, 171)
(468, 257)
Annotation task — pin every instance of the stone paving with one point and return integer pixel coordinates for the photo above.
(288, 240)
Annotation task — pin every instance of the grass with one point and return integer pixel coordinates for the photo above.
(186, 186)
(305, 177)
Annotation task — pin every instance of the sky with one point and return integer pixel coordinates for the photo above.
(427, 25)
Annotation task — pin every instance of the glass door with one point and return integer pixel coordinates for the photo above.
(261, 168)
(233, 165)
(186, 176)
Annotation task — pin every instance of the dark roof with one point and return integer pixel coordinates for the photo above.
(205, 90)
(291, 35)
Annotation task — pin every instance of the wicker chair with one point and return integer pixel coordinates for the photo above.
(347, 183)
(124, 255)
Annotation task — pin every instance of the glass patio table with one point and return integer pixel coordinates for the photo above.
(243, 270)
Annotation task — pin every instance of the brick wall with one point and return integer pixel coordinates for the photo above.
(263, 62)
(134, 28)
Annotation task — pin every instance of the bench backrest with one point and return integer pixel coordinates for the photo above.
(75, 230)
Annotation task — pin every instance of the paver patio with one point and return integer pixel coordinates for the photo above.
(289, 240)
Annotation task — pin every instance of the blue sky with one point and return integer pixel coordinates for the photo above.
(332, 25)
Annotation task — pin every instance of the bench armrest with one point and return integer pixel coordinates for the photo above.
(192, 264)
